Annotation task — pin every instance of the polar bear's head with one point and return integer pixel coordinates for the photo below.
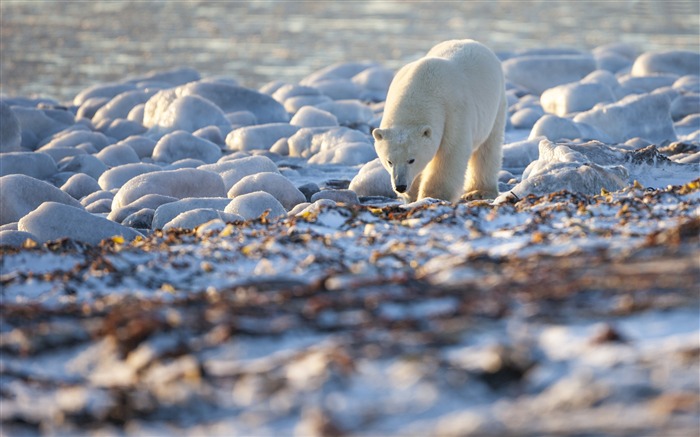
(405, 152)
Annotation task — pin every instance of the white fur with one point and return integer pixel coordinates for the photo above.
(442, 130)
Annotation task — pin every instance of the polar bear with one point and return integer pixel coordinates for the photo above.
(444, 118)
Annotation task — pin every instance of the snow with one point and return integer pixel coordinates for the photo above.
(238, 256)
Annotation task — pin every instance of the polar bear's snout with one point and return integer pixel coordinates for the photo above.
(400, 188)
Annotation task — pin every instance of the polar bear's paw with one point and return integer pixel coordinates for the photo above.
(479, 195)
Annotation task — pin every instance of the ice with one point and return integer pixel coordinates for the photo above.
(181, 145)
(80, 185)
(259, 137)
(169, 210)
(35, 164)
(373, 180)
(186, 182)
(53, 220)
(21, 194)
(253, 205)
(678, 62)
(273, 183)
(309, 116)
(538, 73)
(193, 218)
(647, 116)
(10, 131)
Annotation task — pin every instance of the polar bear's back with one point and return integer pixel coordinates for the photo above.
(472, 57)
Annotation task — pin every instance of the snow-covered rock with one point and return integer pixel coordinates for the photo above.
(260, 137)
(167, 112)
(253, 205)
(348, 112)
(348, 197)
(538, 73)
(53, 220)
(561, 168)
(186, 182)
(80, 185)
(21, 194)
(149, 201)
(115, 177)
(15, 238)
(309, 116)
(232, 171)
(168, 211)
(143, 146)
(181, 145)
(345, 154)
(647, 116)
(273, 183)
(117, 154)
(374, 83)
(74, 138)
(373, 180)
(35, 164)
(554, 128)
(38, 124)
(679, 62)
(193, 218)
(309, 141)
(575, 97)
(10, 131)
(88, 164)
(107, 90)
(121, 105)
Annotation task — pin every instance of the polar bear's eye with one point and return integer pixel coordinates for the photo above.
(411, 161)
(391, 164)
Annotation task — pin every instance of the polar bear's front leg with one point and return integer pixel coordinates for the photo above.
(485, 162)
(443, 178)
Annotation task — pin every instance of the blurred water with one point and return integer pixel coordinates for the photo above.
(56, 48)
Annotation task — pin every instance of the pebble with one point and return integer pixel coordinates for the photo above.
(212, 133)
(58, 153)
(35, 164)
(121, 105)
(10, 131)
(169, 211)
(52, 221)
(97, 195)
(253, 205)
(120, 129)
(80, 185)
(143, 146)
(21, 194)
(185, 163)
(181, 145)
(141, 219)
(100, 206)
(186, 182)
(273, 183)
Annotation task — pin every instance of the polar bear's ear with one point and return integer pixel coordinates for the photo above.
(427, 132)
(378, 134)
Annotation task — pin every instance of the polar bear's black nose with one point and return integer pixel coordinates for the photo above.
(401, 188)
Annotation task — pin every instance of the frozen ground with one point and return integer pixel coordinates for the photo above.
(184, 254)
